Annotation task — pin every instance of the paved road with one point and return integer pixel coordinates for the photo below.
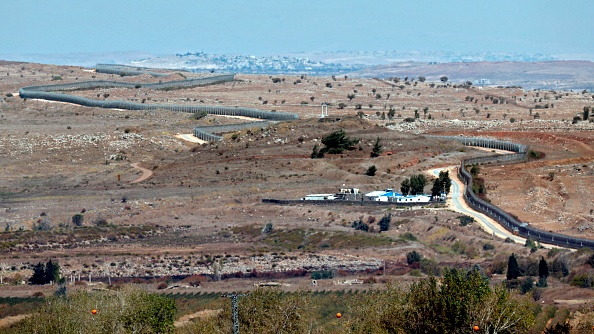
(456, 202)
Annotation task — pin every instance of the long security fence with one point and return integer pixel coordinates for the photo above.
(210, 133)
(506, 220)
(125, 70)
(53, 93)
(486, 142)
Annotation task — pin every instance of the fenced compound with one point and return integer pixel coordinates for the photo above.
(506, 220)
(53, 93)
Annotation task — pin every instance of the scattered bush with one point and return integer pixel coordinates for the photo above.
(408, 236)
(359, 225)
(78, 219)
(582, 281)
(413, 257)
(323, 274)
(100, 222)
(371, 170)
(384, 223)
(465, 220)
(124, 311)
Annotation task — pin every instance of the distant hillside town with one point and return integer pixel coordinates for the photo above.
(201, 62)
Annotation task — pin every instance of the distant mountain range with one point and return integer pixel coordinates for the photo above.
(530, 71)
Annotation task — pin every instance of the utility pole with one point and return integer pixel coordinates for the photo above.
(235, 310)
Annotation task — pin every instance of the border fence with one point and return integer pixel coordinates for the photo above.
(506, 220)
(54, 93)
(210, 133)
(126, 70)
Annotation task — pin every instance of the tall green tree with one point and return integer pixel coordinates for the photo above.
(543, 268)
(384, 223)
(38, 277)
(45, 273)
(405, 187)
(436, 190)
(513, 269)
(337, 142)
(445, 181)
(377, 148)
(52, 271)
(417, 184)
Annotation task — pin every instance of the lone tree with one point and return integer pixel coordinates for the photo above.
(337, 142)
(377, 148)
(413, 257)
(513, 269)
(444, 79)
(543, 268)
(441, 184)
(384, 223)
(405, 187)
(77, 219)
(371, 170)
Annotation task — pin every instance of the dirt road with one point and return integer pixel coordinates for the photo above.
(146, 173)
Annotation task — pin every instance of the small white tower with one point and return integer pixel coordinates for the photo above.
(324, 110)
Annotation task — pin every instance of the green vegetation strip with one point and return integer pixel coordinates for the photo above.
(310, 239)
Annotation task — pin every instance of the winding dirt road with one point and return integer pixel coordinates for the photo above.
(146, 173)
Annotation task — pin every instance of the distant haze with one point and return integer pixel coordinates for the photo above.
(272, 27)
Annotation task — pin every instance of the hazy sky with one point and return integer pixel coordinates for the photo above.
(269, 27)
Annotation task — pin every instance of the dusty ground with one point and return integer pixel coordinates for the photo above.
(58, 160)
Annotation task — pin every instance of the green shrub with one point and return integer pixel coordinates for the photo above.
(582, 281)
(371, 170)
(128, 310)
(408, 236)
(322, 274)
(465, 220)
(413, 257)
(78, 219)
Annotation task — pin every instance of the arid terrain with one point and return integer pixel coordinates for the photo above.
(202, 202)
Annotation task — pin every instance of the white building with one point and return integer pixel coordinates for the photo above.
(318, 197)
